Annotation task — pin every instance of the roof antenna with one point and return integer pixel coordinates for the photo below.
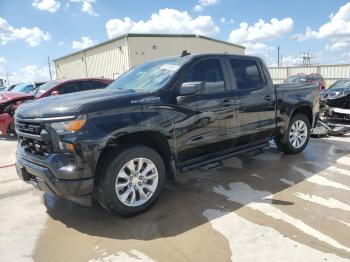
(185, 53)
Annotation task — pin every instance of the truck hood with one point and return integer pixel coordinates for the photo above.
(6, 96)
(72, 104)
(331, 94)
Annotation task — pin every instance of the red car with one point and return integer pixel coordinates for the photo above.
(311, 78)
(10, 100)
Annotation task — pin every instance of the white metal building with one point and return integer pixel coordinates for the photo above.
(112, 58)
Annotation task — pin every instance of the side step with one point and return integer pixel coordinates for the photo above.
(216, 160)
(212, 166)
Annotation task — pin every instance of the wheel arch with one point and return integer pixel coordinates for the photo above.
(153, 139)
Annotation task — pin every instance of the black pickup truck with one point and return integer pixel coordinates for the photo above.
(118, 145)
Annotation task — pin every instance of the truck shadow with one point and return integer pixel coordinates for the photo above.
(242, 181)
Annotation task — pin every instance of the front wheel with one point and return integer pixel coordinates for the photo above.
(297, 136)
(132, 180)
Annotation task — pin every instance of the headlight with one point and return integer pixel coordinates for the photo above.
(69, 126)
(66, 127)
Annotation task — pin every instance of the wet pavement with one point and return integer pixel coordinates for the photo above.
(267, 207)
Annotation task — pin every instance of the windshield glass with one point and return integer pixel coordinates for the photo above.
(150, 76)
(340, 84)
(45, 87)
(295, 79)
(24, 88)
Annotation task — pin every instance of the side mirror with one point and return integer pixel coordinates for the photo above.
(190, 88)
(55, 93)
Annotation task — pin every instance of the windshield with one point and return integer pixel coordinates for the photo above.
(295, 79)
(150, 76)
(45, 87)
(24, 88)
(340, 84)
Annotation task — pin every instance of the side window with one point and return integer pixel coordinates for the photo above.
(91, 85)
(210, 72)
(99, 85)
(246, 73)
(69, 88)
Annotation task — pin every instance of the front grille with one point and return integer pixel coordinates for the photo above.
(30, 128)
(33, 138)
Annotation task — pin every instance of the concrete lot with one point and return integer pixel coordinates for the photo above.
(268, 207)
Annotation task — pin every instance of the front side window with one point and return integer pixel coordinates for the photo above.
(210, 72)
(246, 73)
(45, 87)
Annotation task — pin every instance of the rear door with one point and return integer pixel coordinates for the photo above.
(209, 117)
(255, 97)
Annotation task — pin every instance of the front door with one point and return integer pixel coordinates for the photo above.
(209, 117)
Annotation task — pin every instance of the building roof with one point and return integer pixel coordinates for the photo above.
(150, 35)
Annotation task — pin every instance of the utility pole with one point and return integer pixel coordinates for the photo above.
(281, 64)
(278, 56)
(48, 62)
(7, 77)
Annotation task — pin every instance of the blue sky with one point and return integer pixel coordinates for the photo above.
(31, 30)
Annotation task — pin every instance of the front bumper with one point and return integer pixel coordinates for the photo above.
(43, 174)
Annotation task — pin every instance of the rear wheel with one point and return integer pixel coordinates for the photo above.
(132, 181)
(297, 136)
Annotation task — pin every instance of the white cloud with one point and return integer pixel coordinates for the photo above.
(86, 6)
(84, 43)
(47, 5)
(164, 21)
(261, 30)
(198, 8)
(337, 27)
(337, 46)
(223, 20)
(336, 30)
(204, 3)
(207, 2)
(33, 36)
(258, 49)
(30, 73)
(61, 43)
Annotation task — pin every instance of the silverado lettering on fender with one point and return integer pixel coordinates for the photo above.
(117, 145)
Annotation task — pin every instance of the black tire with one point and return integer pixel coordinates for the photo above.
(284, 144)
(109, 199)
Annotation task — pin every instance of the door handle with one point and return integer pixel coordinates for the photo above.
(268, 98)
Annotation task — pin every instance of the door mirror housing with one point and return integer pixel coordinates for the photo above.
(55, 93)
(190, 88)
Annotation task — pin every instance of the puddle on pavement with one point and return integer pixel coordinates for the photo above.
(253, 208)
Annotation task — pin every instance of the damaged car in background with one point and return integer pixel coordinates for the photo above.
(10, 101)
(335, 109)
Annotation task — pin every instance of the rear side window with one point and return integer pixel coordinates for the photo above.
(247, 74)
(69, 88)
(91, 85)
(210, 72)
